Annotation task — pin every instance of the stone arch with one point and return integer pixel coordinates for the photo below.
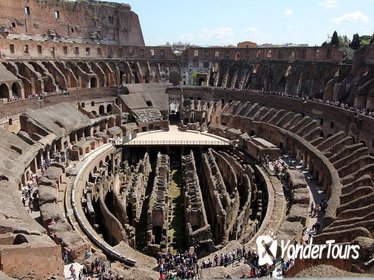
(154, 72)
(175, 78)
(258, 54)
(110, 79)
(116, 76)
(101, 109)
(164, 72)
(4, 91)
(16, 89)
(20, 238)
(107, 158)
(111, 122)
(237, 56)
(109, 108)
(93, 82)
(109, 162)
(201, 81)
(124, 73)
(269, 54)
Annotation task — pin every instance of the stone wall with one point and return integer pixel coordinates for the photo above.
(78, 20)
(219, 205)
(199, 232)
(33, 262)
(157, 216)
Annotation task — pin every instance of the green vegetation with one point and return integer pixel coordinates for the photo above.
(347, 46)
(176, 232)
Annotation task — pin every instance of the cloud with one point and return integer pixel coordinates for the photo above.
(252, 30)
(219, 35)
(329, 4)
(288, 12)
(357, 16)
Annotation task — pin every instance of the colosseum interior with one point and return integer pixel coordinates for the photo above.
(113, 153)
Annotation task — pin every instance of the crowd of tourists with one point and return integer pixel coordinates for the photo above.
(96, 269)
(358, 111)
(178, 266)
(251, 258)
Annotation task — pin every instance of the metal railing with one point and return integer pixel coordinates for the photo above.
(175, 143)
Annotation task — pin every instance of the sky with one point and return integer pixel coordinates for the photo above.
(227, 22)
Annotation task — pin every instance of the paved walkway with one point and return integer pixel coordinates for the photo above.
(316, 191)
(177, 137)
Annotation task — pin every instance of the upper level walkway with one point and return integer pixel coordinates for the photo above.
(175, 137)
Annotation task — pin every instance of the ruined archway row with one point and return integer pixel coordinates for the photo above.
(36, 78)
(11, 90)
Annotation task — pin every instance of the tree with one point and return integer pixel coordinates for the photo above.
(334, 39)
(344, 41)
(372, 39)
(365, 40)
(356, 42)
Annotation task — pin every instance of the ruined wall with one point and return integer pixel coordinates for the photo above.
(39, 262)
(112, 224)
(219, 205)
(199, 232)
(76, 20)
(157, 215)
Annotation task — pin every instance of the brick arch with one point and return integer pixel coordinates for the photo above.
(164, 72)
(4, 91)
(154, 74)
(101, 109)
(109, 73)
(17, 90)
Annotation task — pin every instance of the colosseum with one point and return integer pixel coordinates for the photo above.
(126, 161)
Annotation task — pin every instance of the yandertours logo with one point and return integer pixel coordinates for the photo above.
(267, 250)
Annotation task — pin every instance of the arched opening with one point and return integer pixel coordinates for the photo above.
(4, 91)
(16, 90)
(121, 73)
(174, 78)
(363, 142)
(109, 108)
(20, 238)
(129, 213)
(201, 81)
(101, 110)
(93, 82)
(157, 232)
(321, 134)
(237, 56)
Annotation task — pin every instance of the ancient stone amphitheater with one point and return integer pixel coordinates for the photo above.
(115, 150)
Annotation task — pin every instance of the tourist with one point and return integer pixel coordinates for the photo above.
(72, 272)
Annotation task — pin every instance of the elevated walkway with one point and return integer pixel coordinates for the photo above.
(175, 137)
